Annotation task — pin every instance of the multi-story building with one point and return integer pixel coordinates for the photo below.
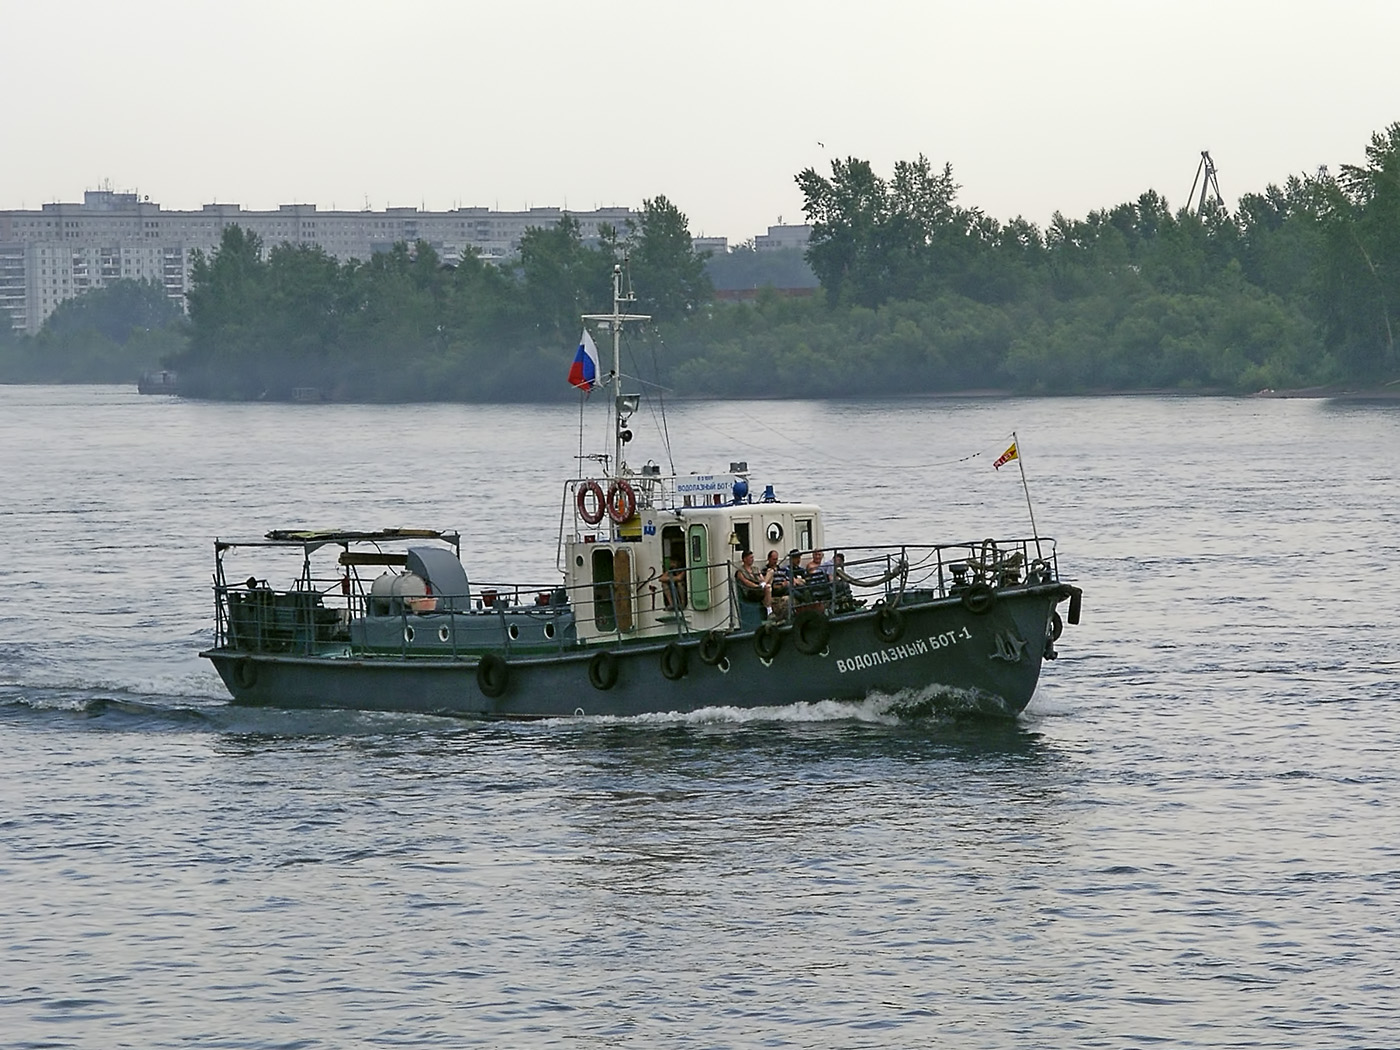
(63, 250)
(779, 237)
(713, 245)
(13, 294)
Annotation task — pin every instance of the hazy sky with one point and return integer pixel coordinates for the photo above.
(1069, 105)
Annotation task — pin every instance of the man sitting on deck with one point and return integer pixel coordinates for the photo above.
(818, 571)
(754, 586)
(842, 598)
(673, 586)
(789, 584)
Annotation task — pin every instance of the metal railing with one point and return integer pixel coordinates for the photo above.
(316, 614)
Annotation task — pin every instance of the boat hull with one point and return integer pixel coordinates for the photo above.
(987, 661)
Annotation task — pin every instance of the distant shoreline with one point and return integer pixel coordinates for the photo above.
(1389, 392)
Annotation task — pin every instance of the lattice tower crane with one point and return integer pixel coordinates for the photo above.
(1205, 175)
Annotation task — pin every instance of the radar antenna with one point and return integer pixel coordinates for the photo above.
(1205, 176)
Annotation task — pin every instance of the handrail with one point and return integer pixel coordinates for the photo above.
(317, 610)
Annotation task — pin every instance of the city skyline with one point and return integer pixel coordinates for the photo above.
(438, 105)
(61, 250)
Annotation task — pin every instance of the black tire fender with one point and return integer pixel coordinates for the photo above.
(889, 622)
(767, 641)
(979, 599)
(811, 631)
(492, 675)
(712, 647)
(675, 661)
(245, 673)
(602, 671)
(1057, 626)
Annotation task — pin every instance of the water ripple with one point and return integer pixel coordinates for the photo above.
(1186, 840)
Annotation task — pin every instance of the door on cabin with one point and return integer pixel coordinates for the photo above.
(622, 589)
(673, 554)
(698, 561)
(604, 617)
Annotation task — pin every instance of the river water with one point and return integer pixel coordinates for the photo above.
(1189, 839)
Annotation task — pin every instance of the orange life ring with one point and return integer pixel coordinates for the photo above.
(622, 501)
(593, 514)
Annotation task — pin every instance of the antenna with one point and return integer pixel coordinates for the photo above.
(1205, 175)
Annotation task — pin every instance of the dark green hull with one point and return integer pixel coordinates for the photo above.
(941, 651)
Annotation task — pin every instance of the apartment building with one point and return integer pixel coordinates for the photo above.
(783, 236)
(63, 250)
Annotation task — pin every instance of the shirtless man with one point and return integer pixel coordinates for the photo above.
(673, 586)
(755, 586)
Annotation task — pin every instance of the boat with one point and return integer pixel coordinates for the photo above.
(643, 611)
(161, 382)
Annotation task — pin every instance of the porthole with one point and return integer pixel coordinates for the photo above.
(408, 634)
(443, 634)
(775, 532)
(549, 630)
(513, 631)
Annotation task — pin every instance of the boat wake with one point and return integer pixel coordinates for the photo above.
(125, 710)
(116, 711)
(931, 703)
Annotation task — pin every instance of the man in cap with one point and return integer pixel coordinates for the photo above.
(789, 579)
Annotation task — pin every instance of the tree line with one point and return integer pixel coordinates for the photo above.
(919, 293)
(403, 326)
(108, 335)
(1296, 288)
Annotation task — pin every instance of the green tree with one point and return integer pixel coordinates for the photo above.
(563, 276)
(227, 297)
(107, 335)
(299, 333)
(223, 285)
(873, 240)
(116, 312)
(670, 277)
(847, 213)
(1279, 239)
(1359, 212)
(484, 305)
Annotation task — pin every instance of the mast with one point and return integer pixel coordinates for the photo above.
(623, 404)
(1021, 462)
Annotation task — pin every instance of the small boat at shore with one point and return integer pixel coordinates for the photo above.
(645, 611)
(161, 382)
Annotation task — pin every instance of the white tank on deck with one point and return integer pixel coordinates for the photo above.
(391, 593)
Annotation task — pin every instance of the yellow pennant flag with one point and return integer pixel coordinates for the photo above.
(1006, 457)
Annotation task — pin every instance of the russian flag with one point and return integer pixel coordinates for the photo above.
(583, 373)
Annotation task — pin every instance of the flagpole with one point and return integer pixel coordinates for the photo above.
(1021, 463)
